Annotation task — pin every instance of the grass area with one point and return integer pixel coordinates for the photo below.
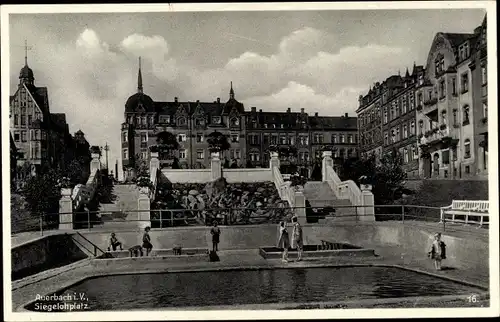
(21, 218)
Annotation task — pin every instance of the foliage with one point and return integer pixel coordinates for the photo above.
(142, 166)
(175, 164)
(386, 177)
(166, 142)
(273, 148)
(154, 149)
(95, 149)
(297, 180)
(226, 163)
(43, 192)
(249, 164)
(75, 172)
(217, 142)
(316, 174)
(144, 182)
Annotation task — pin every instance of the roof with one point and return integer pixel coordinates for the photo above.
(285, 118)
(134, 101)
(333, 122)
(59, 121)
(170, 108)
(457, 39)
(40, 95)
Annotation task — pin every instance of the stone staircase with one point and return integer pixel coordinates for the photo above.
(319, 194)
(122, 212)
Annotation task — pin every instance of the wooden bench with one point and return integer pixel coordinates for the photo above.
(466, 209)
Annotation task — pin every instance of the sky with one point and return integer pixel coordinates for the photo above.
(317, 60)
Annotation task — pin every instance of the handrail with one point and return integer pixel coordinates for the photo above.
(85, 193)
(91, 243)
(343, 189)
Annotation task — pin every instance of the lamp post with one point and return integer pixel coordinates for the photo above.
(106, 149)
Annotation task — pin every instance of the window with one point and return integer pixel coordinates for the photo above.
(17, 137)
(254, 156)
(334, 138)
(455, 119)
(30, 119)
(485, 109)
(355, 138)
(405, 131)
(235, 137)
(405, 155)
(144, 138)
(405, 107)
(237, 154)
(23, 136)
(283, 139)
(200, 155)
(23, 119)
(266, 138)
(16, 120)
(443, 117)
(341, 153)
(125, 154)
(182, 154)
(454, 86)
(412, 128)
(144, 155)
(342, 139)
(124, 137)
(420, 98)
(466, 115)
(398, 135)
(464, 79)
(181, 138)
(386, 138)
(385, 115)
(152, 120)
(467, 169)
(484, 76)
(442, 89)
(446, 156)
(349, 138)
(421, 126)
(235, 121)
(393, 136)
(199, 122)
(274, 139)
(393, 114)
(414, 149)
(290, 139)
(216, 119)
(199, 137)
(181, 121)
(467, 148)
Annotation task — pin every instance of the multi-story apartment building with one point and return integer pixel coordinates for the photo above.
(399, 120)
(40, 137)
(370, 119)
(309, 134)
(452, 135)
(250, 133)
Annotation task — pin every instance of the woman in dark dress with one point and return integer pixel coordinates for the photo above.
(215, 231)
(146, 241)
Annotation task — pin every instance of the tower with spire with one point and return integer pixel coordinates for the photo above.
(26, 74)
(231, 91)
(139, 78)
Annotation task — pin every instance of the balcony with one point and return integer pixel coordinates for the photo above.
(432, 101)
(484, 91)
(435, 135)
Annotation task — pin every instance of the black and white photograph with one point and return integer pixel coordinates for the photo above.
(249, 160)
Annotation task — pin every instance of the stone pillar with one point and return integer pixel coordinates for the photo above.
(327, 161)
(300, 210)
(367, 213)
(215, 165)
(95, 164)
(143, 206)
(154, 163)
(65, 210)
(275, 160)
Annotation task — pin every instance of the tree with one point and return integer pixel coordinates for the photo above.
(43, 192)
(142, 166)
(167, 143)
(75, 172)
(217, 142)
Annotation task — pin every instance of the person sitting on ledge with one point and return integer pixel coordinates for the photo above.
(114, 243)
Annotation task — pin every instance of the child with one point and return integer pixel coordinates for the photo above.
(284, 241)
(215, 231)
(135, 251)
(297, 238)
(437, 251)
(114, 243)
(146, 241)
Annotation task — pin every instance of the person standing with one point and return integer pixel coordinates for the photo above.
(215, 231)
(297, 238)
(284, 241)
(146, 241)
(437, 251)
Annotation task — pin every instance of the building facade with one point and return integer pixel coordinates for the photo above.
(42, 139)
(452, 122)
(250, 133)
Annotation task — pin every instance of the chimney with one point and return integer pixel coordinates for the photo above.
(346, 114)
(260, 111)
(176, 99)
(288, 110)
(302, 110)
(198, 101)
(218, 99)
(254, 109)
(316, 114)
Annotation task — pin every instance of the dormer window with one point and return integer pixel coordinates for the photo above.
(216, 119)
(181, 121)
(235, 121)
(199, 122)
